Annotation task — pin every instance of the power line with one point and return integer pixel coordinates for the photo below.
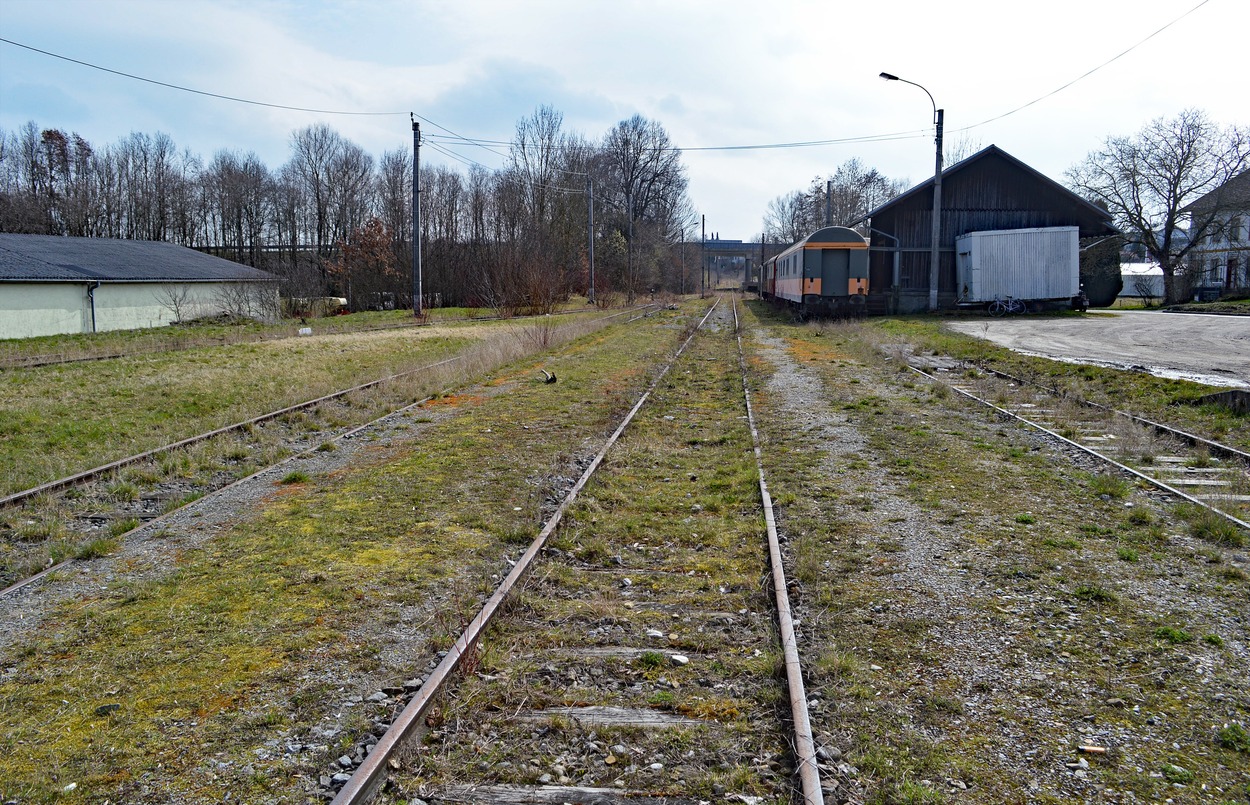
(1089, 72)
(477, 142)
(458, 157)
(461, 138)
(195, 91)
(486, 143)
(868, 138)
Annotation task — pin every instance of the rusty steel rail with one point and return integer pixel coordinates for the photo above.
(346, 434)
(1171, 490)
(1194, 439)
(96, 472)
(371, 774)
(804, 744)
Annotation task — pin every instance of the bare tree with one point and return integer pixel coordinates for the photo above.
(1146, 181)
(178, 300)
(848, 195)
(790, 218)
(1145, 287)
(315, 149)
(393, 192)
(247, 300)
(961, 149)
(642, 176)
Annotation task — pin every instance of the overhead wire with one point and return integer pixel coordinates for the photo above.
(451, 136)
(196, 91)
(1087, 73)
(457, 157)
(486, 144)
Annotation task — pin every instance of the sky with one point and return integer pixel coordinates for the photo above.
(713, 73)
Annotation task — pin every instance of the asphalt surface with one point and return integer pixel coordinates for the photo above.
(1204, 348)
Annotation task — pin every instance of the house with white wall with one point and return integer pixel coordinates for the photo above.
(51, 285)
(1221, 258)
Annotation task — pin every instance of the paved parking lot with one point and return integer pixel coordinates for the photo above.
(1208, 349)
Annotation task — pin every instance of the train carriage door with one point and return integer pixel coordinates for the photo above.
(858, 269)
(835, 270)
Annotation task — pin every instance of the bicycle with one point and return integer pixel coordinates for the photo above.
(1001, 307)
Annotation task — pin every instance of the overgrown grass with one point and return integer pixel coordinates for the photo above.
(202, 656)
(1207, 525)
(190, 336)
(1021, 545)
(1160, 399)
(666, 535)
(60, 419)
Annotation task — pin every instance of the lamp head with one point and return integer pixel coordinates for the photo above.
(889, 77)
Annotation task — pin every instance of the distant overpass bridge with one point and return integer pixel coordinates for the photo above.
(737, 261)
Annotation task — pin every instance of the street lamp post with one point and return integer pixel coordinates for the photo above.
(937, 194)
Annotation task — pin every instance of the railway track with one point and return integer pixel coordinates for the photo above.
(109, 501)
(1215, 448)
(931, 615)
(1200, 471)
(165, 345)
(626, 669)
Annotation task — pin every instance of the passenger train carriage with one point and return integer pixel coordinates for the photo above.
(826, 273)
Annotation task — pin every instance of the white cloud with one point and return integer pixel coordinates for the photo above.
(713, 73)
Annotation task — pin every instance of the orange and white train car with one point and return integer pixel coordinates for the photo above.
(826, 273)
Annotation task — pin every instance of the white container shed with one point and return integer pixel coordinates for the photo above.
(1141, 281)
(1024, 264)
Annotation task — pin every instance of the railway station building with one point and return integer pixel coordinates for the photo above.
(51, 285)
(990, 191)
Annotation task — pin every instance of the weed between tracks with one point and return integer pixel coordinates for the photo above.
(187, 684)
(663, 554)
(1159, 399)
(181, 476)
(976, 606)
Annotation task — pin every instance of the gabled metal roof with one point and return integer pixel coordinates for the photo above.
(1090, 212)
(50, 258)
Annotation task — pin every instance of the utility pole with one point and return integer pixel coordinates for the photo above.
(935, 257)
(590, 234)
(683, 258)
(416, 216)
(828, 202)
(629, 251)
(703, 261)
(936, 232)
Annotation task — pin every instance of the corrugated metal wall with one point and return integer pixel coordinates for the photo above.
(992, 193)
(1021, 264)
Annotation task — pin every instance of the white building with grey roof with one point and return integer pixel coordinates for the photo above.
(51, 285)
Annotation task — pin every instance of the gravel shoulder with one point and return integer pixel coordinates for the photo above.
(973, 613)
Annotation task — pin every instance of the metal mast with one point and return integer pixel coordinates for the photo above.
(416, 216)
(590, 234)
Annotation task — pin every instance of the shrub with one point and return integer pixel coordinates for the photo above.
(1233, 736)
(1173, 635)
